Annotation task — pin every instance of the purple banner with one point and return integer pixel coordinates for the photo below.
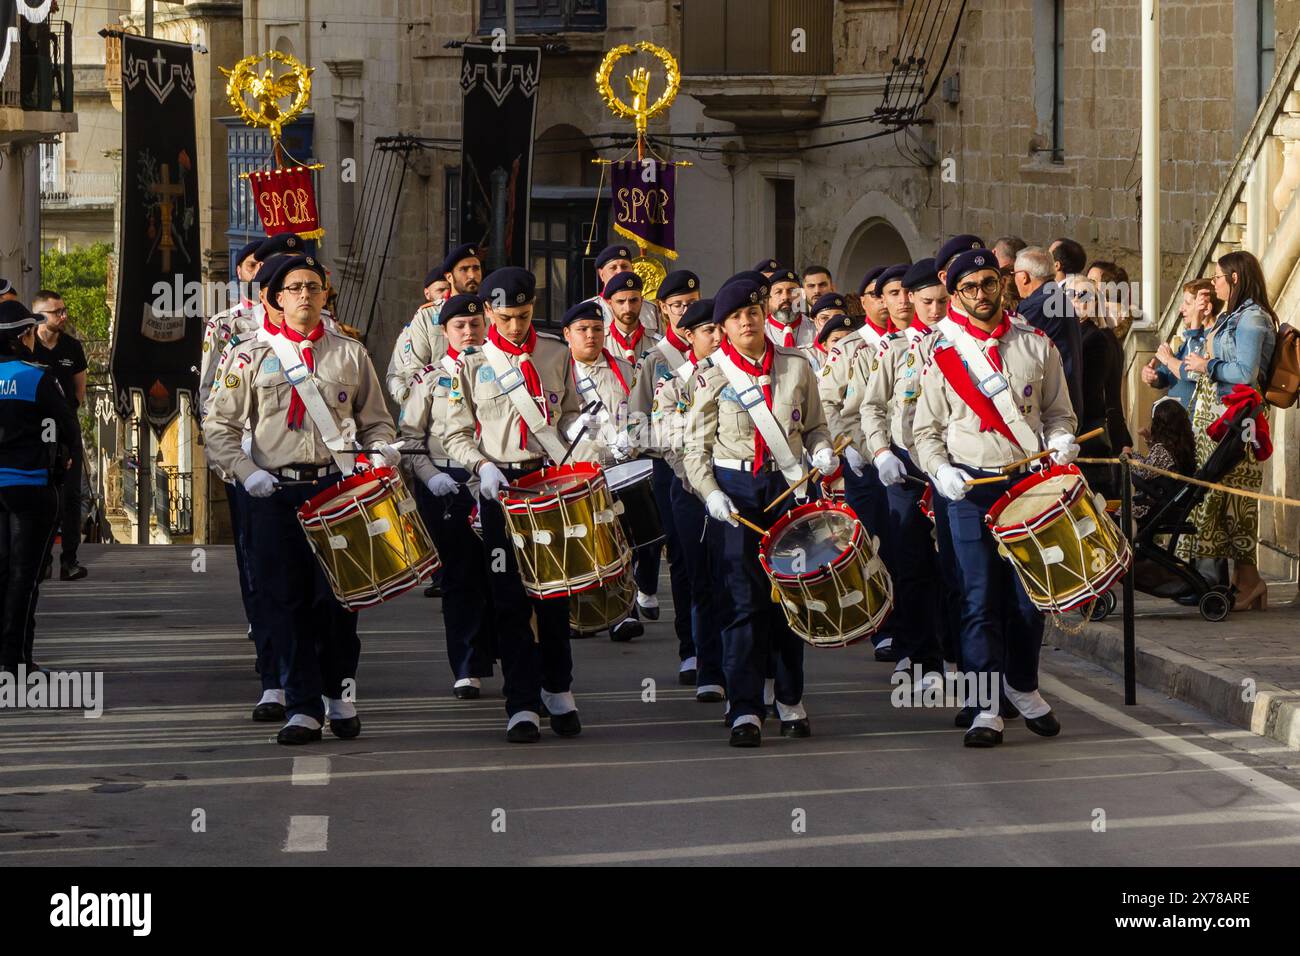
(644, 194)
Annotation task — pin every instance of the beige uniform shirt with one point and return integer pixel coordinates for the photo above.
(717, 425)
(481, 421)
(888, 408)
(420, 420)
(597, 382)
(419, 345)
(947, 431)
(840, 384)
(255, 392)
(669, 413)
(216, 335)
(659, 365)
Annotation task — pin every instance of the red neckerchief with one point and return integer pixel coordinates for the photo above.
(297, 410)
(820, 347)
(526, 368)
(882, 332)
(674, 341)
(613, 367)
(268, 327)
(453, 354)
(762, 371)
(1003, 327)
(958, 376)
(788, 331)
(628, 346)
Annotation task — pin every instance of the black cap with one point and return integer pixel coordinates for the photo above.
(749, 275)
(507, 287)
(679, 282)
(610, 253)
(267, 268)
(766, 265)
(954, 246)
(697, 313)
(834, 324)
(279, 244)
(465, 250)
(783, 275)
(887, 275)
(244, 251)
(733, 296)
(622, 282)
(920, 275)
(831, 300)
(972, 260)
(433, 275)
(868, 279)
(14, 317)
(458, 305)
(587, 309)
(289, 264)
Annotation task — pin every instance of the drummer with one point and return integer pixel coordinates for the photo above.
(731, 458)
(422, 342)
(609, 262)
(786, 324)
(702, 336)
(502, 435)
(992, 393)
(442, 490)
(314, 638)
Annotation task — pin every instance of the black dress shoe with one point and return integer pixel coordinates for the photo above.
(524, 732)
(796, 728)
(746, 735)
(72, 572)
(1045, 726)
(433, 590)
(268, 712)
(982, 737)
(466, 692)
(709, 697)
(687, 678)
(887, 654)
(626, 630)
(345, 728)
(295, 734)
(566, 725)
(1007, 710)
(965, 717)
(649, 613)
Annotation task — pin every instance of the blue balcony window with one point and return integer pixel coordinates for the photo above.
(544, 16)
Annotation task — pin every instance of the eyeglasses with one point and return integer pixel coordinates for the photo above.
(989, 286)
(675, 306)
(298, 288)
(1217, 276)
(63, 311)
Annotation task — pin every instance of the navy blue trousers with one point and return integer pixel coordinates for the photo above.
(464, 573)
(237, 499)
(1001, 630)
(313, 638)
(753, 625)
(689, 517)
(528, 663)
(908, 552)
(645, 570)
(867, 497)
(948, 581)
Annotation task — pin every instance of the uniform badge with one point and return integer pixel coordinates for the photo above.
(272, 364)
(343, 397)
(486, 374)
(911, 359)
(444, 381)
(794, 415)
(654, 407)
(826, 370)
(699, 381)
(875, 364)
(207, 346)
(232, 381)
(728, 394)
(555, 399)
(1029, 390)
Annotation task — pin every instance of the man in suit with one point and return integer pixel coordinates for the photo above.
(1045, 306)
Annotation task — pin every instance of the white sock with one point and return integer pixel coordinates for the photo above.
(1030, 703)
(272, 697)
(791, 711)
(708, 688)
(520, 717)
(904, 664)
(647, 600)
(302, 720)
(769, 691)
(687, 665)
(467, 682)
(559, 704)
(747, 719)
(987, 718)
(885, 644)
(339, 709)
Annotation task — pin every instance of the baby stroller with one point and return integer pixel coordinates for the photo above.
(1158, 570)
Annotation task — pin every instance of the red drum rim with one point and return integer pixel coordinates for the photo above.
(400, 585)
(793, 515)
(1056, 508)
(586, 475)
(312, 508)
(926, 503)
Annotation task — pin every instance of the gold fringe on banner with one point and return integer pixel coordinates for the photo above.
(652, 247)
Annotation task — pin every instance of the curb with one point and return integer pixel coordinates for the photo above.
(1274, 713)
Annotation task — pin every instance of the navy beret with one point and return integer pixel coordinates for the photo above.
(954, 246)
(458, 305)
(6, 287)
(834, 324)
(281, 242)
(699, 312)
(610, 253)
(507, 287)
(766, 265)
(735, 295)
(290, 264)
(831, 300)
(434, 275)
(887, 275)
(622, 282)
(678, 282)
(868, 279)
(14, 316)
(587, 309)
(920, 275)
(972, 260)
(749, 275)
(783, 275)
(248, 249)
(466, 250)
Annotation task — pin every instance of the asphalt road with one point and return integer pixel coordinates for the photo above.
(175, 772)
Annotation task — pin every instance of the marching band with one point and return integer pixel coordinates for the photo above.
(812, 477)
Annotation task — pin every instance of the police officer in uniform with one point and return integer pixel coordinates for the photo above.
(753, 415)
(518, 376)
(993, 392)
(32, 464)
(787, 326)
(314, 639)
(422, 341)
(441, 488)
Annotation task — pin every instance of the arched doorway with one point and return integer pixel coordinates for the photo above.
(877, 243)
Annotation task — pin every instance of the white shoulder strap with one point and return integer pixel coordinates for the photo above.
(300, 377)
(511, 382)
(991, 382)
(588, 392)
(751, 399)
(679, 363)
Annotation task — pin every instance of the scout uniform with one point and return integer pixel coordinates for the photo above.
(967, 429)
(441, 489)
(295, 601)
(799, 332)
(734, 469)
(421, 343)
(485, 431)
(649, 315)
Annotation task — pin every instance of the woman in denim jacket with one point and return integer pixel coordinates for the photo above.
(1239, 350)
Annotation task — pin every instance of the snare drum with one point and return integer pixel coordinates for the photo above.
(566, 535)
(634, 502)
(1058, 537)
(600, 608)
(827, 574)
(369, 538)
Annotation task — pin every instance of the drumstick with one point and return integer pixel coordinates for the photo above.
(987, 481)
(844, 443)
(748, 524)
(1078, 439)
(591, 407)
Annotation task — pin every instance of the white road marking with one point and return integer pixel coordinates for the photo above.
(311, 771)
(75, 849)
(307, 835)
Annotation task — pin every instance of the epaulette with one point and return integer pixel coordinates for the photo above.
(428, 368)
(793, 351)
(549, 335)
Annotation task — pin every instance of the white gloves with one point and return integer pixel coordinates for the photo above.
(491, 480)
(260, 484)
(951, 482)
(392, 457)
(890, 468)
(1064, 449)
(826, 461)
(720, 508)
(582, 421)
(855, 460)
(441, 484)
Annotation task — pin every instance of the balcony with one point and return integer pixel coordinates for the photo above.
(81, 190)
(36, 97)
(543, 17)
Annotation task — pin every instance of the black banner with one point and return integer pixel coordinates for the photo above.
(158, 323)
(500, 107)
